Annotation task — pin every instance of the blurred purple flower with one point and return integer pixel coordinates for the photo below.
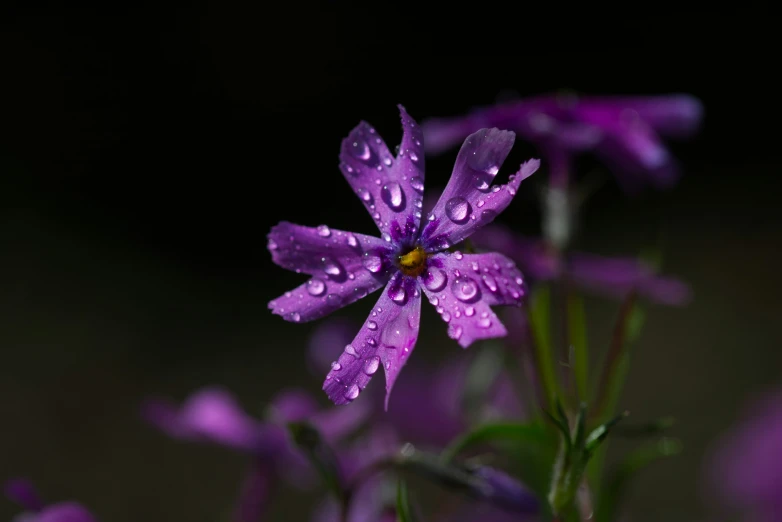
(213, 415)
(625, 132)
(507, 492)
(22, 492)
(615, 277)
(746, 468)
(408, 259)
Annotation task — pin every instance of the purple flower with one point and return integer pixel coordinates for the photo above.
(23, 493)
(213, 415)
(747, 468)
(505, 491)
(624, 131)
(408, 259)
(615, 277)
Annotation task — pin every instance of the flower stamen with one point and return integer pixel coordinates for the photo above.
(413, 263)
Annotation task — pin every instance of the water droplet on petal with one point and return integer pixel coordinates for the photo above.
(475, 266)
(352, 241)
(480, 203)
(272, 245)
(331, 267)
(365, 195)
(316, 287)
(372, 262)
(435, 279)
(372, 325)
(295, 317)
(397, 294)
(393, 196)
(388, 365)
(371, 365)
(418, 184)
(434, 300)
(519, 281)
(490, 282)
(469, 311)
(352, 392)
(335, 366)
(458, 255)
(388, 162)
(458, 210)
(413, 156)
(334, 300)
(455, 331)
(484, 322)
(446, 316)
(465, 289)
(350, 350)
(371, 341)
(360, 150)
(324, 231)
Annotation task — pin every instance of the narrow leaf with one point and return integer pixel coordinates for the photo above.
(540, 323)
(403, 512)
(577, 335)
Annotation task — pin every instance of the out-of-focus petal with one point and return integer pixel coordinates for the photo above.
(619, 276)
(211, 414)
(253, 496)
(746, 466)
(532, 256)
(327, 341)
(342, 265)
(65, 512)
(23, 492)
(385, 340)
(390, 187)
(674, 115)
(462, 299)
(507, 492)
(292, 405)
(469, 201)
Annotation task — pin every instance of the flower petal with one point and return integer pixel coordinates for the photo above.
(211, 414)
(254, 494)
(462, 297)
(345, 266)
(675, 115)
(619, 276)
(386, 339)
(65, 512)
(390, 187)
(469, 201)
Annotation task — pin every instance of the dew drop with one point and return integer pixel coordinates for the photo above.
(393, 196)
(324, 231)
(365, 195)
(458, 255)
(397, 294)
(335, 366)
(360, 150)
(350, 350)
(484, 322)
(295, 317)
(352, 392)
(417, 183)
(334, 300)
(469, 311)
(372, 325)
(464, 289)
(371, 341)
(475, 266)
(435, 279)
(388, 365)
(331, 267)
(446, 315)
(372, 262)
(371, 365)
(480, 203)
(490, 282)
(434, 300)
(458, 210)
(316, 287)
(272, 245)
(455, 331)
(387, 237)
(388, 162)
(413, 156)
(519, 281)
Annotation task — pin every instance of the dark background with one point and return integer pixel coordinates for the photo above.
(145, 155)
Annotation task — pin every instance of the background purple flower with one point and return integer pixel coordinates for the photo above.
(625, 132)
(409, 259)
(23, 493)
(746, 470)
(611, 276)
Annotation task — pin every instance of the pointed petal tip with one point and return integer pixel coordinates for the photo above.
(528, 168)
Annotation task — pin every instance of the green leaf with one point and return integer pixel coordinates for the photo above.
(577, 335)
(600, 433)
(403, 512)
(540, 323)
(530, 446)
(321, 455)
(612, 494)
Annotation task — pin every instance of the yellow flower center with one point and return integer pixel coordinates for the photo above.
(413, 263)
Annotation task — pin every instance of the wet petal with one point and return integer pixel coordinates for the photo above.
(65, 512)
(390, 187)
(345, 267)
(531, 255)
(462, 298)
(619, 276)
(385, 341)
(676, 115)
(211, 414)
(469, 201)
